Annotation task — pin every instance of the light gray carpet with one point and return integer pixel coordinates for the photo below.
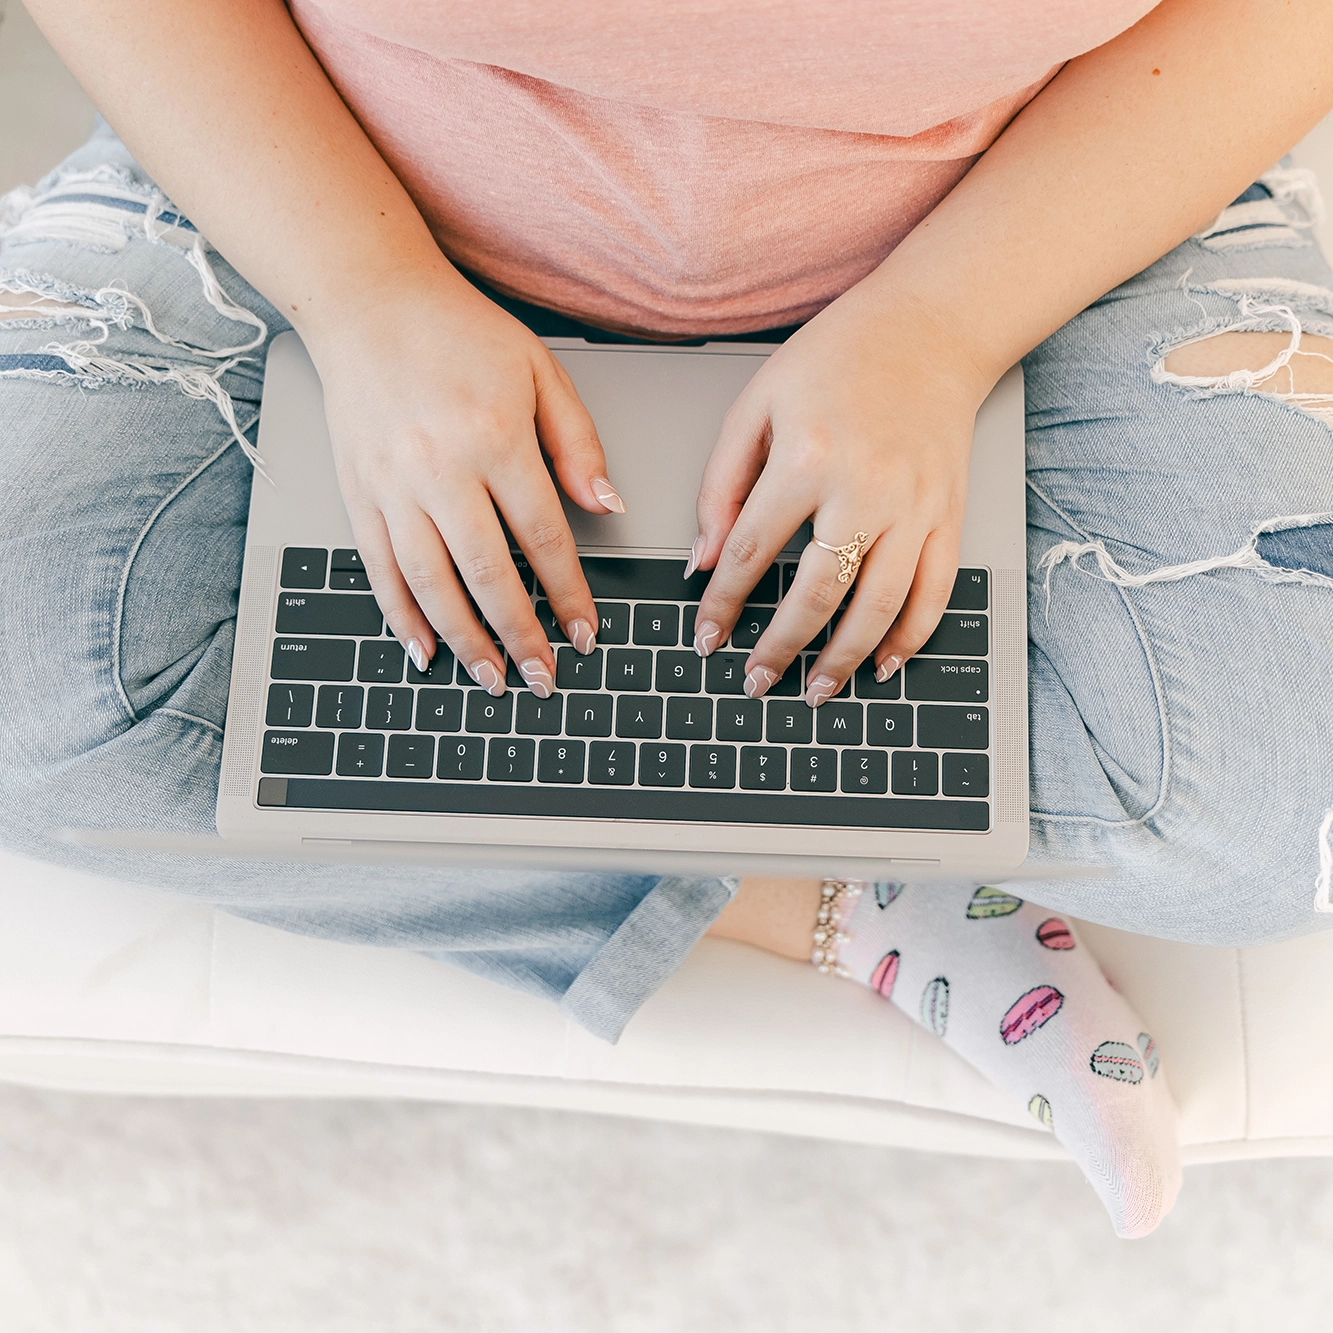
(144, 1216)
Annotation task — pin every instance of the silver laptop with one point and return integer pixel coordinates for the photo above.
(646, 758)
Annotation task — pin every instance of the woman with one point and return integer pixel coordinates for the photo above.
(931, 191)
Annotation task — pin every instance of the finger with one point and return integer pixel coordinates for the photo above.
(775, 509)
(471, 529)
(530, 505)
(809, 604)
(430, 577)
(567, 433)
(881, 589)
(929, 595)
(733, 467)
(405, 619)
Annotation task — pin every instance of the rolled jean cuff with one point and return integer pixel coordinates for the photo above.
(649, 945)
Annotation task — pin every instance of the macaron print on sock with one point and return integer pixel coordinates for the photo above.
(1013, 990)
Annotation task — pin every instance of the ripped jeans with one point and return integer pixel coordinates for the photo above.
(1181, 548)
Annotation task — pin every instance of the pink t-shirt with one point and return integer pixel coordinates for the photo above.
(688, 166)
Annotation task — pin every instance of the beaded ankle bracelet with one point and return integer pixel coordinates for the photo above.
(835, 899)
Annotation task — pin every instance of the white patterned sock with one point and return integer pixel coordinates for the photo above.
(1009, 986)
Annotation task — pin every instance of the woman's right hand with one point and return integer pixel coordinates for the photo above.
(439, 406)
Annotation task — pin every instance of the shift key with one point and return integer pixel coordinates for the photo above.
(950, 680)
(329, 613)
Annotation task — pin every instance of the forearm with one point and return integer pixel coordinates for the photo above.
(1127, 152)
(231, 114)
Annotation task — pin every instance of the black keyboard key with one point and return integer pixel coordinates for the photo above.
(313, 659)
(328, 613)
(956, 680)
(560, 761)
(944, 728)
(713, 767)
(612, 622)
(763, 768)
(640, 717)
(381, 661)
(689, 719)
(290, 705)
(814, 770)
(439, 672)
(817, 642)
(844, 693)
(971, 591)
(410, 756)
(461, 759)
(789, 576)
(724, 673)
(658, 626)
(867, 687)
(588, 715)
(789, 686)
(303, 566)
(642, 578)
(349, 580)
(661, 765)
(629, 669)
(865, 772)
(308, 752)
(959, 636)
(916, 773)
(389, 709)
(360, 755)
(346, 558)
(766, 590)
(889, 724)
(487, 713)
(679, 671)
(574, 671)
(838, 724)
(339, 707)
(513, 677)
(511, 760)
(551, 627)
(538, 717)
(790, 723)
(611, 763)
(966, 775)
(439, 710)
(740, 719)
(688, 615)
(754, 620)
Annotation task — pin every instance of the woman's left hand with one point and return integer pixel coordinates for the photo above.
(862, 420)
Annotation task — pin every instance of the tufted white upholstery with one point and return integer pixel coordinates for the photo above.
(108, 987)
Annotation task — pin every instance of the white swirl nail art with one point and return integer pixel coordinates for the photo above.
(821, 688)
(418, 655)
(607, 494)
(760, 679)
(696, 554)
(582, 637)
(488, 677)
(706, 638)
(537, 676)
(887, 667)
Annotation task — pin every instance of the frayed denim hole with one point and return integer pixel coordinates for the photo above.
(1306, 548)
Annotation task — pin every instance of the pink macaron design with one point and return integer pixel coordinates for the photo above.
(886, 891)
(1055, 934)
(1029, 1012)
(1115, 1060)
(885, 974)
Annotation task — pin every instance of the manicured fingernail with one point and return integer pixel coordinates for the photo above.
(706, 638)
(418, 655)
(760, 679)
(581, 636)
(488, 676)
(537, 675)
(821, 688)
(696, 554)
(608, 495)
(887, 667)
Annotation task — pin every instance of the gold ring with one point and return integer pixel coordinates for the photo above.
(849, 556)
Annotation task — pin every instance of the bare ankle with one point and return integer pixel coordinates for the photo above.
(773, 914)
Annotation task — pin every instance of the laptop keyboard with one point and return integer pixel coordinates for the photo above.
(641, 728)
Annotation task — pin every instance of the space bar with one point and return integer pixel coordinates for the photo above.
(443, 798)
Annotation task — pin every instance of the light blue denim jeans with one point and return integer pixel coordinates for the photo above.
(1180, 719)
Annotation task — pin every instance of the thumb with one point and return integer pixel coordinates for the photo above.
(733, 468)
(566, 432)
